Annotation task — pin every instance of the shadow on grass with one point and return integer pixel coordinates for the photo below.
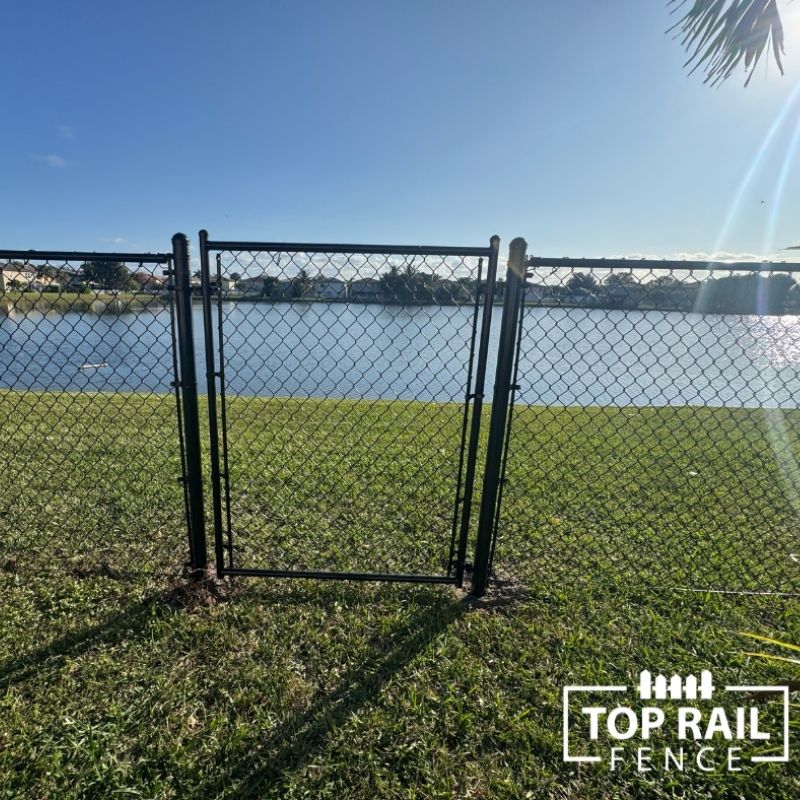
(301, 735)
(128, 624)
(249, 772)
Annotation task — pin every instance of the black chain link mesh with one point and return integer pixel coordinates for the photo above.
(654, 436)
(90, 455)
(344, 407)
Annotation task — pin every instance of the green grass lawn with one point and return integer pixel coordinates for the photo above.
(118, 681)
(95, 301)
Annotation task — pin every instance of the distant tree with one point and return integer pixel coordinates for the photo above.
(109, 274)
(746, 294)
(301, 284)
(666, 282)
(269, 286)
(582, 280)
(236, 276)
(465, 289)
(661, 290)
(197, 274)
(620, 279)
(408, 286)
(391, 283)
(721, 34)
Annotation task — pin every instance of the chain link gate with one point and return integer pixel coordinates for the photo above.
(645, 425)
(345, 387)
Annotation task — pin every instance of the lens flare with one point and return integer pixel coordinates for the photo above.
(755, 164)
(780, 188)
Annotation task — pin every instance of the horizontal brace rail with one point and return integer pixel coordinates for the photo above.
(664, 264)
(335, 576)
(359, 249)
(81, 255)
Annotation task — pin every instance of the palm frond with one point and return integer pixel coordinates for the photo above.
(769, 640)
(770, 657)
(721, 34)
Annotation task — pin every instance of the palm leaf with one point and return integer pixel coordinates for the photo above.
(770, 657)
(769, 640)
(721, 34)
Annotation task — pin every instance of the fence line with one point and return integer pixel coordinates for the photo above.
(647, 413)
(91, 453)
(643, 422)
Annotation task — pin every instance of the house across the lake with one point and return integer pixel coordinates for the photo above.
(365, 290)
(22, 276)
(327, 289)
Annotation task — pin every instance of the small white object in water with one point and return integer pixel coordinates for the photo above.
(93, 366)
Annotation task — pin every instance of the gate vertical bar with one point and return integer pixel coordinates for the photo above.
(477, 407)
(198, 556)
(211, 382)
(512, 300)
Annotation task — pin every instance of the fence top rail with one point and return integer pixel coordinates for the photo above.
(82, 255)
(354, 249)
(664, 264)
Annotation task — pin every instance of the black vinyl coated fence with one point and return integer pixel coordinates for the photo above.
(91, 428)
(344, 418)
(642, 423)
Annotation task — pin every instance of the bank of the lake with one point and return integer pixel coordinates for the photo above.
(14, 302)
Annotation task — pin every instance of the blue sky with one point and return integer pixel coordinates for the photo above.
(438, 122)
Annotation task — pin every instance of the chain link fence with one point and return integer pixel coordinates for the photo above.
(650, 433)
(90, 453)
(653, 434)
(344, 379)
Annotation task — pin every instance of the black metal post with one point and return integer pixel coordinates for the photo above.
(512, 297)
(198, 555)
(477, 406)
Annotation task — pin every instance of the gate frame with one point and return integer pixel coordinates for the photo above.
(473, 403)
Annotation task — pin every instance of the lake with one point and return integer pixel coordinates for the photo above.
(569, 356)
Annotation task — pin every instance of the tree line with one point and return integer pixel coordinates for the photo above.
(754, 293)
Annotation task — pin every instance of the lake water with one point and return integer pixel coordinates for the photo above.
(569, 356)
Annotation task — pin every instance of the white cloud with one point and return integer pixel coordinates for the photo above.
(53, 160)
(66, 131)
(719, 255)
(114, 240)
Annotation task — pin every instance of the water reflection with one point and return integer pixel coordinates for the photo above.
(570, 356)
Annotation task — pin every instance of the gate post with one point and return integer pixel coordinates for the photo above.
(512, 300)
(198, 555)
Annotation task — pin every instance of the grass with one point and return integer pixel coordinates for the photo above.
(118, 680)
(96, 302)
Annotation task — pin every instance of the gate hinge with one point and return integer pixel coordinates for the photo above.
(514, 387)
(167, 272)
